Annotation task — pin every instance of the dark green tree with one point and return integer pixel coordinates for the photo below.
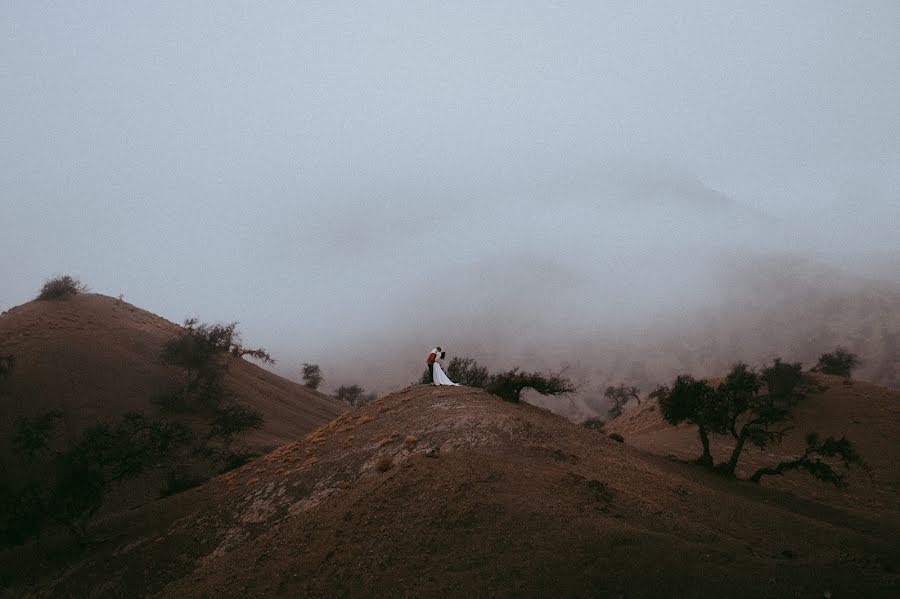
(32, 435)
(467, 371)
(747, 414)
(202, 350)
(230, 421)
(353, 395)
(510, 384)
(840, 362)
(695, 402)
(312, 375)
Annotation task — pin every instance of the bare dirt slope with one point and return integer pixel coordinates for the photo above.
(868, 415)
(452, 492)
(95, 357)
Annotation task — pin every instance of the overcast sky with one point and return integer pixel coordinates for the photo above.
(336, 176)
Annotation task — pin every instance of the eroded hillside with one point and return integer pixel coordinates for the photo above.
(452, 492)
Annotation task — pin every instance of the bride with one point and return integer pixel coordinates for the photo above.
(438, 374)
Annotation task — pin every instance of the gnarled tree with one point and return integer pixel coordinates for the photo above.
(619, 396)
(833, 450)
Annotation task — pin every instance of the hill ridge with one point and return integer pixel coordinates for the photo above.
(451, 492)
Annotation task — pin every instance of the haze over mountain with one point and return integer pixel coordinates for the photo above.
(354, 184)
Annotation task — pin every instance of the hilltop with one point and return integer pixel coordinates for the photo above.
(96, 357)
(453, 492)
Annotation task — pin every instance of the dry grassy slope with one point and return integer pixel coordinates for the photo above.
(452, 492)
(96, 357)
(868, 415)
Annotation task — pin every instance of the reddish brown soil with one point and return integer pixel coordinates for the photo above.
(868, 415)
(452, 492)
(95, 357)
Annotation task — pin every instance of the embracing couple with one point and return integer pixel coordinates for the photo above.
(435, 372)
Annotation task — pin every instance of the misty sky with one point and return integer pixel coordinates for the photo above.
(355, 182)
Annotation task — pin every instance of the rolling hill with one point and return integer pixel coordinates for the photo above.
(868, 415)
(453, 492)
(96, 357)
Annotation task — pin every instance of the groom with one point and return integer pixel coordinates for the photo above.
(430, 361)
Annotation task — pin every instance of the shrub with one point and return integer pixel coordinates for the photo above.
(354, 395)
(312, 375)
(594, 424)
(32, 436)
(6, 366)
(840, 362)
(60, 287)
(466, 371)
(180, 479)
(232, 420)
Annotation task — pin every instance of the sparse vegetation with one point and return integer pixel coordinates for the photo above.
(595, 424)
(67, 485)
(752, 406)
(658, 393)
(840, 362)
(466, 371)
(32, 436)
(354, 395)
(510, 384)
(60, 287)
(507, 385)
(747, 405)
(200, 349)
(312, 375)
(620, 396)
(6, 366)
(229, 421)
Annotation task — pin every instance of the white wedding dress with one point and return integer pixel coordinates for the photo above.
(439, 377)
